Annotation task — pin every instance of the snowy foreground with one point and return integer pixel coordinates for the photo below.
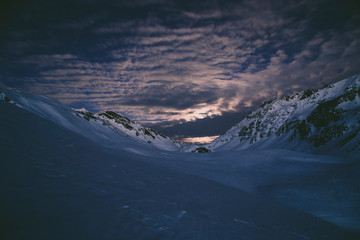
(57, 183)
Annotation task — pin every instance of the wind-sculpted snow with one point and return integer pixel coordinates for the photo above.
(324, 120)
(57, 184)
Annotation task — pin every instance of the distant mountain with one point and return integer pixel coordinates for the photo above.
(134, 130)
(109, 128)
(323, 120)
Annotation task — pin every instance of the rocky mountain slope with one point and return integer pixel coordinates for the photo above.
(108, 128)
(319, 120)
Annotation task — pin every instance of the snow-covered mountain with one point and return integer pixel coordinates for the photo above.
(132, 129)
(109, 129)
(318, 120)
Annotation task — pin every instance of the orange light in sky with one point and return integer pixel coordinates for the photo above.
(199, 140)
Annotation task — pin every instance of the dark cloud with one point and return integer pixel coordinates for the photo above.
(194, 59)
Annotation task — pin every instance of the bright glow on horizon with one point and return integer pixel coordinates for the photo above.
(199, 140)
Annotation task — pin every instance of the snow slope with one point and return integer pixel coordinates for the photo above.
(58, 184)
(327, 187)
(320, 121)
(109, 129)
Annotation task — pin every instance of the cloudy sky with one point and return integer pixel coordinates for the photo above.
(187, 68)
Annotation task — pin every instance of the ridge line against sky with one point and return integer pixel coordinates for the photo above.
(186, 68)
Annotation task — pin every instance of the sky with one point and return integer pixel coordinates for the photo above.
(191, 69)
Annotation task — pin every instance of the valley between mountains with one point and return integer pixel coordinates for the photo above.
(288, 170)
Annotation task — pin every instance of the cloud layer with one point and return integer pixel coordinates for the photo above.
(171, 62)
